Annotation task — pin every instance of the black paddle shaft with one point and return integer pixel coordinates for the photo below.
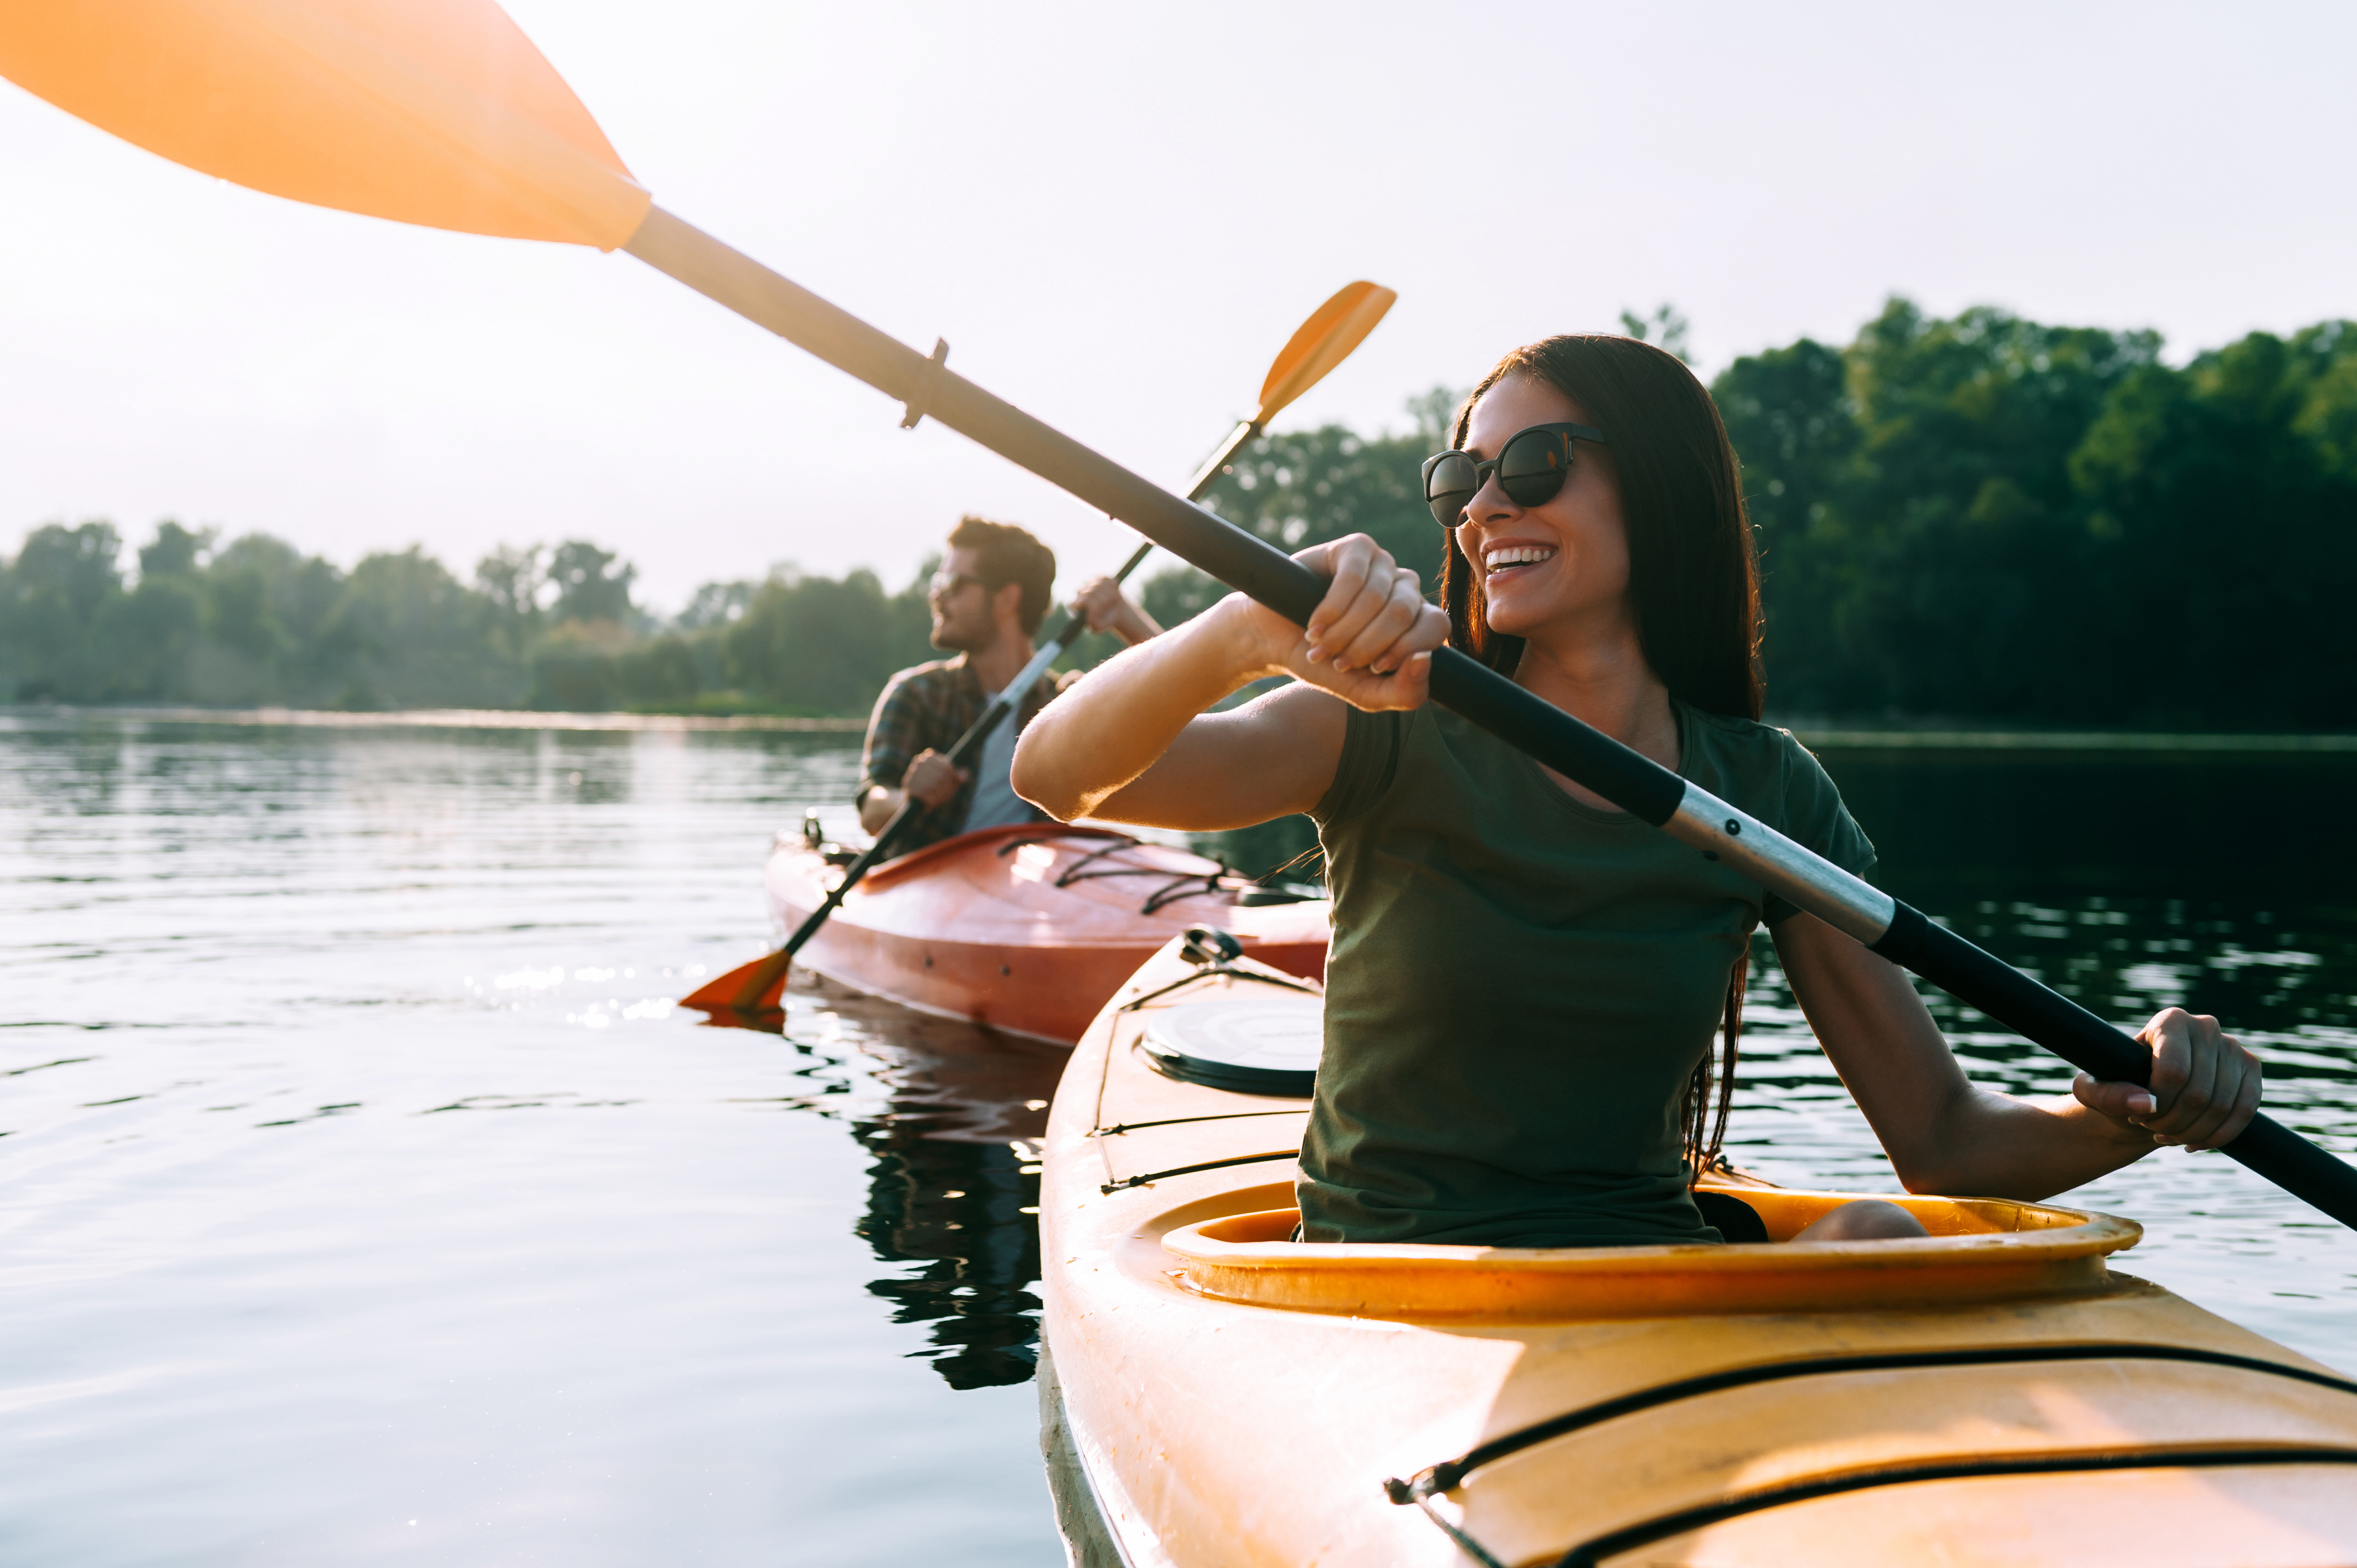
(1530, 724)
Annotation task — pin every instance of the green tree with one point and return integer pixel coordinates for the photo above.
(1303, 487)
(422, 639)
(175, 550)
(512, 580)
(1790, 416)
(60, 582)
(147, 636)
(591, 583)
(2226, 519)
(1665, 328)
(821, 645)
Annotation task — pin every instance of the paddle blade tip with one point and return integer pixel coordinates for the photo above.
(756, 987)
(440, 113)
(1324, 341)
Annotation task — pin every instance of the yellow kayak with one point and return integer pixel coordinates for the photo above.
(1215, 1393)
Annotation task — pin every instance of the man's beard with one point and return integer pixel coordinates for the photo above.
(950, 637)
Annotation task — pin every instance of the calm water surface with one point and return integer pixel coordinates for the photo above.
(366, 1200)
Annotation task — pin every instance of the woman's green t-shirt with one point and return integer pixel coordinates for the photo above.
(1521, 985)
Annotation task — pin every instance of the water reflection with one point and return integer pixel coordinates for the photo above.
(367, 1200)
(953, 1115)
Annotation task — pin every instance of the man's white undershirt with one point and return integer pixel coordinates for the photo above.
(996, 803)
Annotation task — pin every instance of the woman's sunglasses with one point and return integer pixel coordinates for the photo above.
(1530, 469)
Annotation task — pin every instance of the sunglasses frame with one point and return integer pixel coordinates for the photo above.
(1483, 470)
(949, 585)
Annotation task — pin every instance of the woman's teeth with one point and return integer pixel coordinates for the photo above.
(1498, 560)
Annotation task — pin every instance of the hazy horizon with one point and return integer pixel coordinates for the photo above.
(1115, 219)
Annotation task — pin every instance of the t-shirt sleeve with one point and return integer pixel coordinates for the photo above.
(1815, 817)
(1371, 746)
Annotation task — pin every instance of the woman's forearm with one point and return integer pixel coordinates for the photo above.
(1989, 1144)
(1942, 1132)
(1111, 727)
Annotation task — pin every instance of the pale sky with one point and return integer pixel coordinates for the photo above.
(1117, 215)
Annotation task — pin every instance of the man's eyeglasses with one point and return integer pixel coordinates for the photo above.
(946, 584)
(1530, 469)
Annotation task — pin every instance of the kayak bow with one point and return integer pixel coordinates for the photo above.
(1028, 928)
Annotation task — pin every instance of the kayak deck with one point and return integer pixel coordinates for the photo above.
(1994, 1393)
(1027, 929)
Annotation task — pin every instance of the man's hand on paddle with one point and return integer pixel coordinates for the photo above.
(1370, 642)
(932, 778)
(2205, 1086)
(929, 780)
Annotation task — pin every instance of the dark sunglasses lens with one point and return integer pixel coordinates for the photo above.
(1449, 485)
(1532, 467)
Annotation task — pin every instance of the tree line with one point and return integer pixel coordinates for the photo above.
(1982, 519)
(1978, 517)
(255, 621)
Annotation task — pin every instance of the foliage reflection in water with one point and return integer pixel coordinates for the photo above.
(953, 1191)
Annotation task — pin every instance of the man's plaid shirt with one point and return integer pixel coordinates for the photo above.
(927, 708)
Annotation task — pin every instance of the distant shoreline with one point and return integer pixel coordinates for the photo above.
(1830, 737)
(1819, 734)
(439, 718)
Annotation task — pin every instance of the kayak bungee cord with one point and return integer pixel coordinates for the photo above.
(454, 120)
(1173, 890)
(1592, 1553)
(1150, 1177)
(1118, 1128)
(1210, 968)
(1449, 1474)
(1211, 952)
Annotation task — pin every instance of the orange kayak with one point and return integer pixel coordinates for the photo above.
(1218, 1395)
(1028, 928)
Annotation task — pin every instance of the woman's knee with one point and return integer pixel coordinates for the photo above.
(1863, 1219)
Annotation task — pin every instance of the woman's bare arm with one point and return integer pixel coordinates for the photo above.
(1942, 1134)
(1132, 742)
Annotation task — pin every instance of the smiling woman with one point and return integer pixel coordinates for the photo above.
(1657, 506)
(1524, 983)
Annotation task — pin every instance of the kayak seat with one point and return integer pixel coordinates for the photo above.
(1732, 1218)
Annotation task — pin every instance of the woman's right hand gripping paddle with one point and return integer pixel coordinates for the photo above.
(1133, 741)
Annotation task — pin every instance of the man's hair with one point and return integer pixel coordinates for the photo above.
(1010, 554)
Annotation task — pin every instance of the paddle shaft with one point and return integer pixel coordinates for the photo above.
(1634, 783)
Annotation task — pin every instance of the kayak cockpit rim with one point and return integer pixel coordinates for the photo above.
(1979, 1249)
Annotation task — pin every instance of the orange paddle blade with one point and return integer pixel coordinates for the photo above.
(756, 987)
(432, 111)
(1324, 341)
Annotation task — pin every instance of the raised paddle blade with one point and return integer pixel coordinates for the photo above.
(1324, 341)
(432, 111)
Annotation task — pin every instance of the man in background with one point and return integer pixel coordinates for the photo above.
(988, 599)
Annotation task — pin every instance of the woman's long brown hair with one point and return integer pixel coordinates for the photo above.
(1693, 580)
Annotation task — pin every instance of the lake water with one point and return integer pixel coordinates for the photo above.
(363, 1198)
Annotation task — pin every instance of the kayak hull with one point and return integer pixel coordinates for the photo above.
(1994, 1393)
(1026, 930)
